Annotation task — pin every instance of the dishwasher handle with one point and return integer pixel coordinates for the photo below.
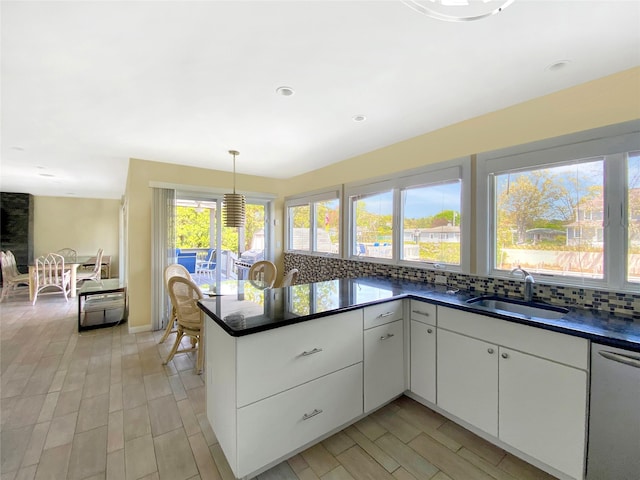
(617, 357)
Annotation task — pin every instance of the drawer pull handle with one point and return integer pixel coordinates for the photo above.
(315, 412)
(310, 352)
(382, 315)
(388, 335)
(505, 355)
(426, 314)
(490, 350)
(429, 330)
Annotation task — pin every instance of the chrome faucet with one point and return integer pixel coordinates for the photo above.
(528, 282)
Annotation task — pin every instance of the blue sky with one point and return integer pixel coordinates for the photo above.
(419, 202)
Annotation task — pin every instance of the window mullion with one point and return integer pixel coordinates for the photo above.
(615, 244)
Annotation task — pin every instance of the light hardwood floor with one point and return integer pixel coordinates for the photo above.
(100, 405)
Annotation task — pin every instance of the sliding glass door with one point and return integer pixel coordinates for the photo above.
(212, 252)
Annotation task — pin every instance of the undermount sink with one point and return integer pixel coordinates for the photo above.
(529, 309)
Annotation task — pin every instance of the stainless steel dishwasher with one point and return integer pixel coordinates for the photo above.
(614, 419)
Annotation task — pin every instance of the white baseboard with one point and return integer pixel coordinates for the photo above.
(140, 329)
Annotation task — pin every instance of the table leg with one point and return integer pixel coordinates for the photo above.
(73, 279)
(32, 286)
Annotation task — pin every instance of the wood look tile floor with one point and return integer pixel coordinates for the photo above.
(101, 405)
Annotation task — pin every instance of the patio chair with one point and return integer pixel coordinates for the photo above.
(173, 270)
(51, 273)
(184, 296)
(207, 266)
(11, 277)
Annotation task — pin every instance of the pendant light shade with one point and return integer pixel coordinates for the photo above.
(233, 204)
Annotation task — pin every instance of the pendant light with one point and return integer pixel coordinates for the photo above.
(233, 204)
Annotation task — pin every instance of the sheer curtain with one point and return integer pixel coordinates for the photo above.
(163, 248)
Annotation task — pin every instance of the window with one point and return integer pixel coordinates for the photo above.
(373, 216)
(415, 218)
(431, 223)
(313, 223)
(546, 219)
(565, 209)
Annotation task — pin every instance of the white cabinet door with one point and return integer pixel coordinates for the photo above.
(468, 379)
(543, 410)
(383, 364)
(423, 360)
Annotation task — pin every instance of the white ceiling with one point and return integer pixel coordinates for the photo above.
(88, 85)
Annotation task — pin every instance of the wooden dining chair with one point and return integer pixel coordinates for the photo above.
(50, 273)
(68, 253)
(263, 271)
(184, 294)
(173, 270)
(94, 274)
(290, 278)
(12, 279)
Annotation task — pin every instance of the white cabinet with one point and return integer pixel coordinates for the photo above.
(383, 364)
(541, 409)
(468, 379)
(271, 392)
(523, 385)
(423, 350)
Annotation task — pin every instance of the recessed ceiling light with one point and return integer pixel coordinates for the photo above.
(285, 91)
(359, 118)
(559, 65)
(46, 174)
(17, 149)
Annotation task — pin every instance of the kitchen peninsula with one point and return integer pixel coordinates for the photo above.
(288, 367)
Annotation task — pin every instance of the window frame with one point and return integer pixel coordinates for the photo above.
(310, 199)
(609, 143)
(458, 169)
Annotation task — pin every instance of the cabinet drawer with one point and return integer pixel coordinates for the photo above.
(384, 313)
(554, 346)
(276, 360)
(423, 312)
(273, 427)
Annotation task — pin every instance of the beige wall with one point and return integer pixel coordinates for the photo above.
(606, 101)
(602, 102)
(84, 224)
(138, 210)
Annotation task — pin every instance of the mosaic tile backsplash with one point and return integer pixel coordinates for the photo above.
(316, 269)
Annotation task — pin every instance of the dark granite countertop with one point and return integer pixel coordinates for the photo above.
(249, 309)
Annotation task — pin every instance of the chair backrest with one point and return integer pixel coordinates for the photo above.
(11, 260)
(263, 271)
(9, 267)
(7, 272)
(290, 278)
(184, 294)
(211, 255)
(69, 253)
(97, 268)
(49, 270)
(175, 270)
